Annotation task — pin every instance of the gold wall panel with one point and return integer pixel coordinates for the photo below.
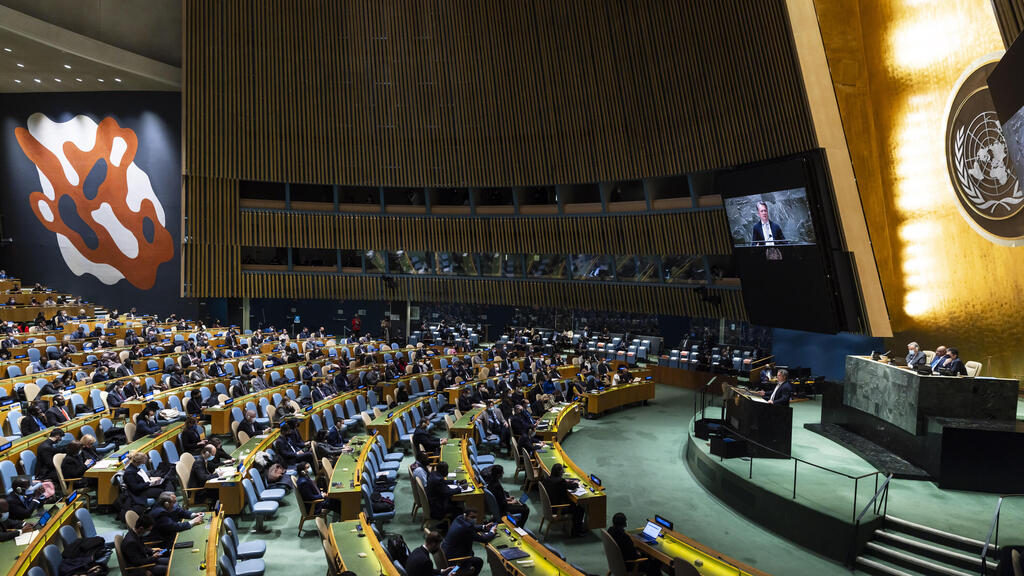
(496, 93)
(894, 64)
(704, 232)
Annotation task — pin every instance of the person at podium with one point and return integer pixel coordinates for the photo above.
(783, 389)
(765, 232)
(915, 358)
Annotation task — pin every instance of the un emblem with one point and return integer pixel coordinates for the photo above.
(985, 184)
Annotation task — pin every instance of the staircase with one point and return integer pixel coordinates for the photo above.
(903, 548)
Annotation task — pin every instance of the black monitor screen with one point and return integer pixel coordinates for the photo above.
(778, 218)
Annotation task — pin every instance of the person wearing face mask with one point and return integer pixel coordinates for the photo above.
(192, 436)
(204, 468)
(75, 464)
(54, 444)
(33, 422)
(146, 423)
(20, 504)
(60, 412)
(169, 519)
(217, 369)
(10, 528)
(141, 486)
(141, 559)
(309, 492)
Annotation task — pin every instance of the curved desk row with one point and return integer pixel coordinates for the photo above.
(16, 560)
(590, 494)
(356, 549)
(32, 441)
(558, 422)
(104, 470)
(384, 424)
(465, 426)
(346, 479)
(613, 397)
(538, 560)
(456, 453)
(673, 547)
(201, 557)
(220, 416)
(229, 487)
(305, 420)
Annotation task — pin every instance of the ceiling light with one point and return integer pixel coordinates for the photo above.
(38, 81)
(17, 81)
(21, 65)
(7, 50)
(68, 66)
(117, 79)
(56, 79)
(78, 79)
(100, 79)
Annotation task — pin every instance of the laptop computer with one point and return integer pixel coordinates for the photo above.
(650, 533)
(513, 553)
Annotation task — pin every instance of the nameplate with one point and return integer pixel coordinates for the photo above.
(6, 446)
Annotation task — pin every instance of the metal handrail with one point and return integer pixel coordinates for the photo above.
(994, 529)
(884, 488)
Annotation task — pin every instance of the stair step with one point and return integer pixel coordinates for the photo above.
(930, 549)
(970, 544)
(927, 566)
(878, 566)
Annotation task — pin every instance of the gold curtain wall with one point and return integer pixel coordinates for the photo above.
(894, 64)
(496, 93)
(703, 232)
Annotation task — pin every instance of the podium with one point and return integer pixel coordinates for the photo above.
(764, 424)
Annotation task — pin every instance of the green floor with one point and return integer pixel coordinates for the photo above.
(638, 453)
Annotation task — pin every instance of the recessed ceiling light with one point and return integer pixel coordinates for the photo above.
(7, 50)
(78, 79)
(56, 79)
(117, 79)
(38, 81)
(21, 65)
(17, 81)
(68, 66)
(100, 79)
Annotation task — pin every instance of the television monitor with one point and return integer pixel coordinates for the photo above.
(778, 218)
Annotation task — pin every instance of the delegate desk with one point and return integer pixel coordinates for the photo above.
(753, 418)
(557, 422)
(201, 556)
(613, 397)
(220, 415)
(539, 560)
(456, 453)
(384, 424)
(673, 547)
(229, 486)
(32, 441)
(104, 470)
(347, 477)
(906, 399)
(305, 423)
(465, 427)
(29, 313)
(357, 549)
(590, 494)
(16, 560)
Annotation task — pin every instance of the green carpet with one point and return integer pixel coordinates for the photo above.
(638, 453)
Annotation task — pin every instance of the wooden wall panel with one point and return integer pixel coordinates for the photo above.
(502, 93)
(637, 299)
(1010, 16)
(673, 233)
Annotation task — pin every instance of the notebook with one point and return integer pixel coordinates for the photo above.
(651, 532)
(513, 554)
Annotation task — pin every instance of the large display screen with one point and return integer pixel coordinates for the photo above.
(777, 218)
(787, 247)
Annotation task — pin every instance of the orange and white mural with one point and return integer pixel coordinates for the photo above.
(131, 239)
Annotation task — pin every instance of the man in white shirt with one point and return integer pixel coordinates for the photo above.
(783, 389)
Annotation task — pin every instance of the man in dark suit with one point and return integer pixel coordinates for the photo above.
(915, 358)
(60, 412)
(625, 543)
(765, 232)
(33, 422)
(421, 437)
(419, 562)
(250, 426)
(308, 491)
(439, 494)
(169, 519)
(140, 558)
(952, 365)
(783, 390)
(45, 453)
(458, 543)
(20, 505)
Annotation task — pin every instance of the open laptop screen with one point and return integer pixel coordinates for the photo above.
(652, 530)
